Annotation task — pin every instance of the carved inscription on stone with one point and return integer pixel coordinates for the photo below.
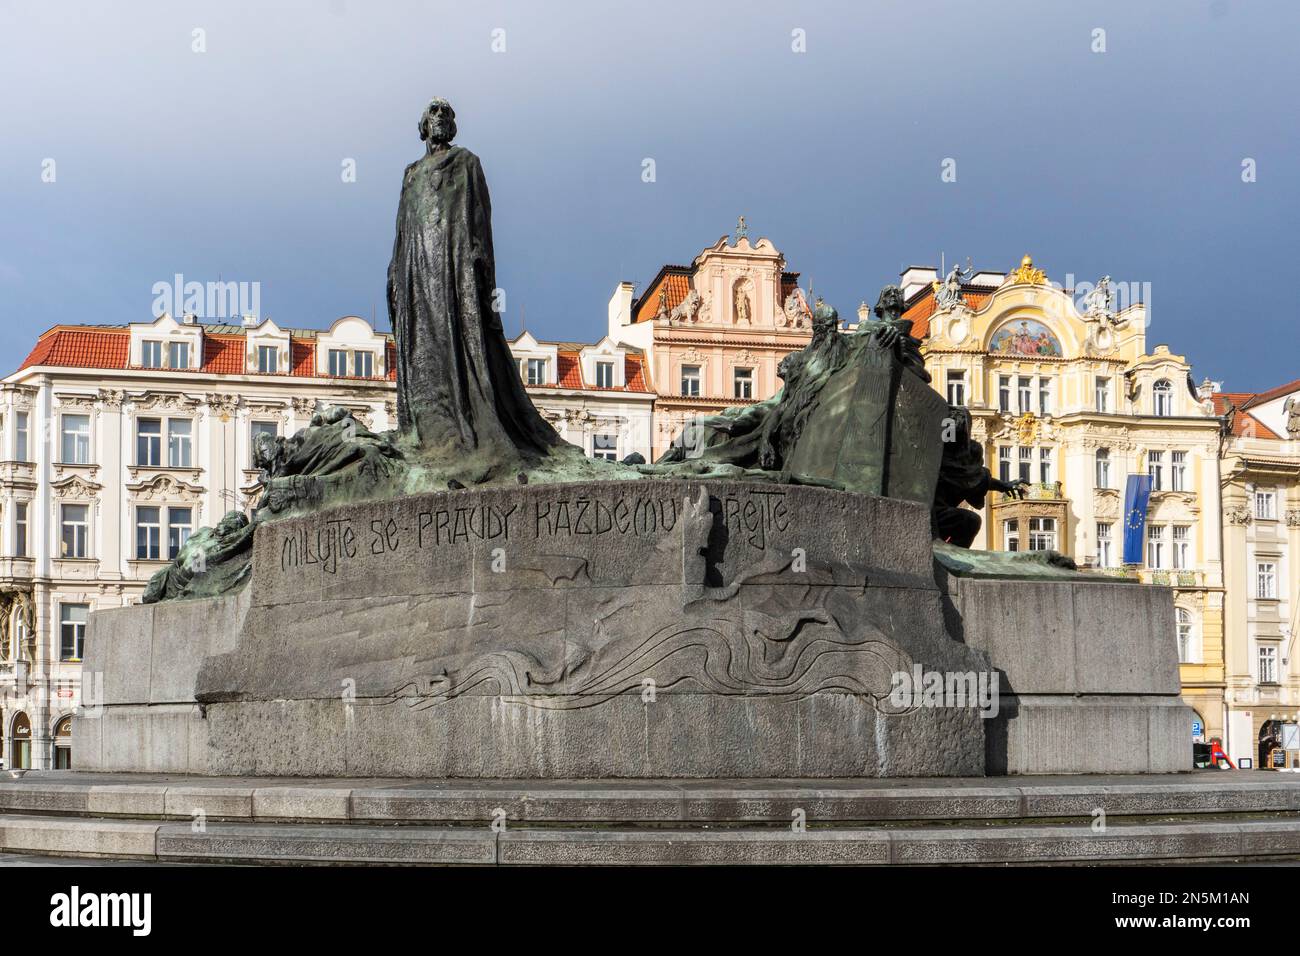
(750, 518)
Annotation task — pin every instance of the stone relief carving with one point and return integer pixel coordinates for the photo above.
(76, 487)
(164, 488)
(688, 310)
(163, 401)
(223, 405)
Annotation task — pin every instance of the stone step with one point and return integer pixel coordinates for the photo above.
(685, 803)
(279, 843)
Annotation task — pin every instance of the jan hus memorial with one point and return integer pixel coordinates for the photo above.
(786, 593)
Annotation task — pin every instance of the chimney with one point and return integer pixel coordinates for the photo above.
(250, 321)
(189, 318)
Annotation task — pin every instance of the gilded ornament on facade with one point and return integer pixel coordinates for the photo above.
(1027, 428)
(1027, 274)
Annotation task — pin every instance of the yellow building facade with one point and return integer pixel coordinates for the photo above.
(1066, 394)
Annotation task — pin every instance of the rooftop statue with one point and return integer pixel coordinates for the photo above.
(948, 293)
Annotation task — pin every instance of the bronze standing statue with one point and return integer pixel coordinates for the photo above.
(459, 392)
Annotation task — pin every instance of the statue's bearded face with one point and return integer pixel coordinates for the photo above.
(438, 125)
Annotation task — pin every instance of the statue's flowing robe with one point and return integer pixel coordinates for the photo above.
(458, 387)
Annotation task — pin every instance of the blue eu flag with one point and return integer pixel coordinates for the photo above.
(1136, 496)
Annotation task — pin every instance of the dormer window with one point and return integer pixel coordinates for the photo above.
(151, 354)
(178, 354)
(604, 374)
(536, 372)
(1162, 394)
(360, 363)
(268, 359)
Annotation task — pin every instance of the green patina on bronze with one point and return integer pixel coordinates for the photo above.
(856, 411)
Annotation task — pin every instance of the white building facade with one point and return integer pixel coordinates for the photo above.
(117, 442)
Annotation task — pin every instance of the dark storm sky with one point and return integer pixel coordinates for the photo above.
(228, 163)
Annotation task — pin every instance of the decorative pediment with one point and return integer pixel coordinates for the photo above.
(164, 488)
(265, 407)
(76, 401)
(151, 401)
(75, 486)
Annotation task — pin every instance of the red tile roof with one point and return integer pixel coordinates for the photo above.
(634, 374)
(302, 358)
(81, 348)
(922, 309)
(1244, 423)
(568, 370)
(224, 352)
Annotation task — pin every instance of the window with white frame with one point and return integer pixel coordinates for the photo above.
(604, 446)
(691, 381)
(1011, 534)
(743, 383)
(1102, 459)
(1004, 393)
(536, 371)
(1105, 544)
(363, 363)
(1045, 465)
(1026, 472)
(1004, 462)
(1156, 469)
(20, 529)
(1178, 470)
(1267, 664)
(74, 531)
(151, 354)
(604, 374)
(148, 442)
(1044, 395)
(1162, 395)
(268, 359)
(148, 533)
(338, 362)
(180, 433)
(1181, 543)
(1101, 393)
(956, 386)
(76, 440)
(1266, 505)
(1156, 546)
(178, 354)
(1042, 534)
(1266, 580)
(1183, 630)
(22, 445)
(180, 525)
(1026, 394)
(72, 630)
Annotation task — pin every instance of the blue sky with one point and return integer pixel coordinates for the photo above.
(227, 163)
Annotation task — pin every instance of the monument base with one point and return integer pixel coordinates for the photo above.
(649, 629)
